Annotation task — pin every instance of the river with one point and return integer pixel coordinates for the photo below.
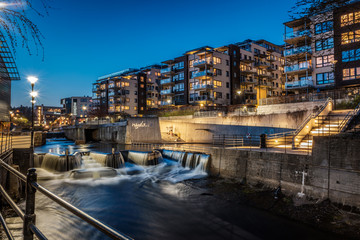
(155, 202)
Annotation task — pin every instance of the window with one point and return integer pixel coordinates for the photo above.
(350, 37)
(324, 44)
(227, 73)
(235, 63)
(351, 55)
(351, 73)
(227, 62)
(324, 78)
(217, 60)
(347, 19)
(191, 63)
(217, 95)
(324, 61)
(227, 85)
(217, 72)
(323, 27)
(227, 96)
(217, 83)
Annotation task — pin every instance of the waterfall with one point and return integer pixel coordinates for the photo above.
(94, 165)
(60, 163)
(144, 158)
(108, 160)
(198, 161)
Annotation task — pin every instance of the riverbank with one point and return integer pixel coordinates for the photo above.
(323, 215)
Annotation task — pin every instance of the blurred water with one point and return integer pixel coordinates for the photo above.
(155, 202)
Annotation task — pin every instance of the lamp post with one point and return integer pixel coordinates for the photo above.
(33, 94)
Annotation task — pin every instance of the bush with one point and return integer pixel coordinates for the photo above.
(349, 104)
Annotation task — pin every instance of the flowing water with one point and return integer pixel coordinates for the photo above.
(155, 202)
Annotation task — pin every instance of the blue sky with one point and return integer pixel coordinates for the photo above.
(87, 39)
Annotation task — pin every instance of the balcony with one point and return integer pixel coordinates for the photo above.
(203, 98)
(299, 84)
(262, 64)
(166, 81)
(263, 74)
(246, 71)
(166, 92)
(202, 74)
(250, 91)
(247, 81)
(297, 52)
(298, 68)
(202, 63)
(167, 71)
(297, 36)
(203, 86)
(166, 103)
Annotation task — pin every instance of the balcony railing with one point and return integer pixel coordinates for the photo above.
(165, 103)
(165, 81)
(202, 74)
(202, 61)
(298, 50)
(297, 67)
(299, 33)
(299, 84)
(166, 70)
(203, 86)
(166, 91)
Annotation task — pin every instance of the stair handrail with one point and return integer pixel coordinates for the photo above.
(310, 117)
(348, 118)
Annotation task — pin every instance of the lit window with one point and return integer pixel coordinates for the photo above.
(324, 61)
(351, 73)
(347, 19)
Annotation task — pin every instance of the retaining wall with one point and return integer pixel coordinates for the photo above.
(338, 181)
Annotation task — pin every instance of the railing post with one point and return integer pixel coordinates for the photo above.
(29, 217)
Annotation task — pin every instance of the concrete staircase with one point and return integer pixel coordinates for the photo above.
(324, 126)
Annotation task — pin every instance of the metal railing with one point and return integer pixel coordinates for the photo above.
(5, 138)
(228, 140)
(304, 128)
(348, 118)
(29, 216)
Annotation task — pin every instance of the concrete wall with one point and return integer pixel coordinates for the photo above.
(203, 133)
(143, 130)
(340, 182)
(132, 130)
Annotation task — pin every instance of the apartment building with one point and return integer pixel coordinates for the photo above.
(257, 71)
(174, 82)
(118, 93)
(46, 115)
(153, 78)
(209, 76)
(130, 92)
(347, 45)
(76, 107)
(322, 51)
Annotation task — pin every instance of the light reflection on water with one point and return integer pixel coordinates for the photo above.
(154, 202)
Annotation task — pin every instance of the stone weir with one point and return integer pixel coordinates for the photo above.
(192, 160)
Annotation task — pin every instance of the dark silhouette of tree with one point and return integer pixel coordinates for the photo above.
(307, 8)
(17, 28)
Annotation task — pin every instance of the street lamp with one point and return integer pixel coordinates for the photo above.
(33, 94)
